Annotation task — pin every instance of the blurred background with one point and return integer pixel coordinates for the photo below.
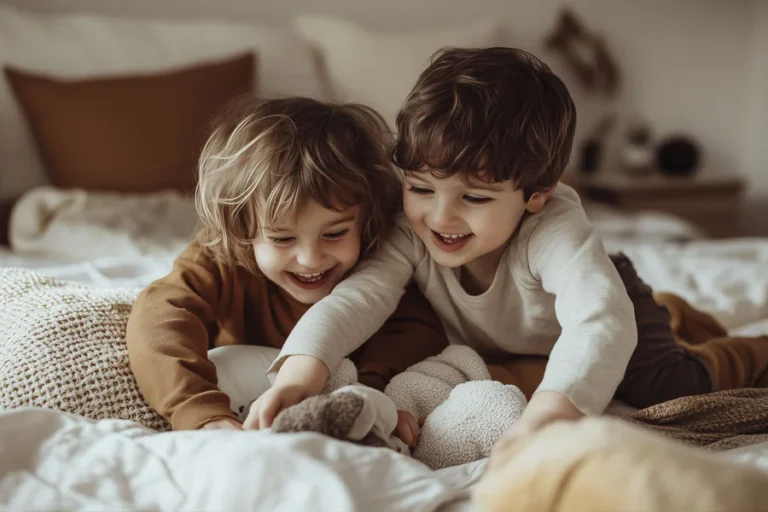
(672, 96)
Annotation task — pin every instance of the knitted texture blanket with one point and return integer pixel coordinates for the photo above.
(62, 346)
(717, 421)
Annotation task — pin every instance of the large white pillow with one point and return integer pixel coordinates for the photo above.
(380, 68)
(87, 45)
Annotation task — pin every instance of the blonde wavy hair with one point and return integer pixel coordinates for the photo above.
(268, 159)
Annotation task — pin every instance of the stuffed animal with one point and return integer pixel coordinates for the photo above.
(608, 465)
(466, 412)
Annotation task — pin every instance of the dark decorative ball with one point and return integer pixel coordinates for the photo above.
(678, 156)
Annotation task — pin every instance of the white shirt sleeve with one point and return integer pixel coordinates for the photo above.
(599, 333)
(357, 307)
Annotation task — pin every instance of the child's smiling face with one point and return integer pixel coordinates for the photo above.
(309, 254)
(464, 221)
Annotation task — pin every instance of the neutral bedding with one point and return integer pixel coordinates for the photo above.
(52, 460)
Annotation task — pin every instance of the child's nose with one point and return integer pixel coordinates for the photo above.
(443, 215)
(309, 256)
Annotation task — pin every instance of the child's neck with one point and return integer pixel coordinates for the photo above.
(476, 277)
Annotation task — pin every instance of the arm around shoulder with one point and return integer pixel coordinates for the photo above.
(357, 307)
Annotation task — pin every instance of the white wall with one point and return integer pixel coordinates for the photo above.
(693, 66)
(756, 126)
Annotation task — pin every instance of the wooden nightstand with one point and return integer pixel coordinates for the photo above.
(710, 201)
(5, 218)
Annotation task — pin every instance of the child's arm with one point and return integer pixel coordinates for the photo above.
(412, 334)
(168, 336)
(337, 325)
(595, 313)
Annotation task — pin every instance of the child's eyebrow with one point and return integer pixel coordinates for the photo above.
(347, 218)
(493, 187)
(278, 228)
(413, 175)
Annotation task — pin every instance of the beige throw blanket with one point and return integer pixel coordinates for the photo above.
(716, 421)
(62, 346)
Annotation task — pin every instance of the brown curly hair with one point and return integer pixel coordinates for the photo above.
(269, 158)
(493, 113)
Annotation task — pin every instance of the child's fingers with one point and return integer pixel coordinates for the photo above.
(268, 411)
(422, 420)
(252, 420)
(405, 433)
(417, 431)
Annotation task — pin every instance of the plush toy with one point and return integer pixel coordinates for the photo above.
(466, 412)
(607, 465)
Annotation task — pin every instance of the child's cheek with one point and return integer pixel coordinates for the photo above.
(349, 251)
(270, 259)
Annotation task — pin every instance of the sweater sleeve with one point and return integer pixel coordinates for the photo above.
(595, 313)
(412, 334)
(168, 338)
(358, 306)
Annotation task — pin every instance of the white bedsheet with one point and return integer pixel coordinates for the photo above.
(726, 278)
(53, 461)
(56, 461)
(124, 272)
(80, 225)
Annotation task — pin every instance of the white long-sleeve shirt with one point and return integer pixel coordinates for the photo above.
(555, 292)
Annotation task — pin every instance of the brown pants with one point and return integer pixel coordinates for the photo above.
(680, 352)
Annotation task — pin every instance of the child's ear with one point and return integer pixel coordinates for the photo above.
(538, 199)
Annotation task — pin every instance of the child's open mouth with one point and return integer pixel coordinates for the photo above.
(450, 242)
(310, 280)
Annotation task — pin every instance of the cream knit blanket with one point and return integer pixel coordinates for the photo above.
(62, 346)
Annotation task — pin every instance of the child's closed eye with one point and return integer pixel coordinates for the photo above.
(477, 200)
(336, 235)
(281, 240)
(419, 190)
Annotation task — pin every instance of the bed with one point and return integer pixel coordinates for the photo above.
(52, 460)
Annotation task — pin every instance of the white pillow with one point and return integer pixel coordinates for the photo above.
(379, 69)
(84, 225)
(87, 45)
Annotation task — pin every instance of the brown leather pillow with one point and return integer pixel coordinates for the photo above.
(138, 133)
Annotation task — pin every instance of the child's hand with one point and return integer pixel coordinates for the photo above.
(264, 410)
(300, 377)
(408, 429)
(222, 424)
(544, 408)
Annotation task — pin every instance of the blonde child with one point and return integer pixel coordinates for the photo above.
(508, 259)
(292, 194)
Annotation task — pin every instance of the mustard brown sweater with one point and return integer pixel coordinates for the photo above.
(204, 304)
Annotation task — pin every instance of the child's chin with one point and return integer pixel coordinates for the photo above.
(445, 260)
(310, 297)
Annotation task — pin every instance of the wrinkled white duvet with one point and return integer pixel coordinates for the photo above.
(81, 225)
(56, 461)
